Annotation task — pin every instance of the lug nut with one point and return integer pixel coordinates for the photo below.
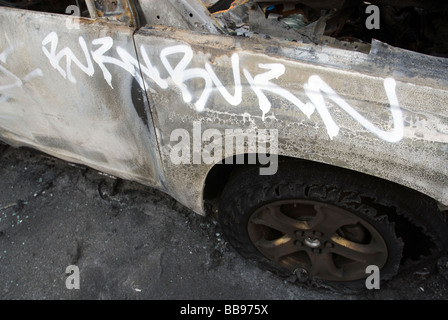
(298, 243)
(312, 243)
(298, 233)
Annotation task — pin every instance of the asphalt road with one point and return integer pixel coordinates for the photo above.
(129, 241)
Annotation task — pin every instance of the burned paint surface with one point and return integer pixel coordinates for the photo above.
(382, 119)
(55, 97)
(76, 95)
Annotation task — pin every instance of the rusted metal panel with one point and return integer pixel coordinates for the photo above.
(68, 87)
(123, 11)
(185, 14)
(375, 113)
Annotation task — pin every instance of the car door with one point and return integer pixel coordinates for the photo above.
(70, 86)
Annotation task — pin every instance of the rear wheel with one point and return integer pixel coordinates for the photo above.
(315, 222)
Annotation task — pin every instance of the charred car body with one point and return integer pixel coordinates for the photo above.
(360, 117)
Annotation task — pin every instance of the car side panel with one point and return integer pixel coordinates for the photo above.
(382, 113)
(70, 87)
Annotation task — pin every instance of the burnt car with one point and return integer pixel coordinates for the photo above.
(317, 131)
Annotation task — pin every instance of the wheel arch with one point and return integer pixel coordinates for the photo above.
(412, 229)
(219, 174)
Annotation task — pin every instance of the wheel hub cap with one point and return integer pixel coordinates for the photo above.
(328, 242)
(312, 243)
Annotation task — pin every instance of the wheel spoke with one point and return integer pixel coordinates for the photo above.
(329, 220)
(272, 217)
(366, 253)
(278, 248)
(323, 266)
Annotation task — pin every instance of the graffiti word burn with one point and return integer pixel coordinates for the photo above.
(315, 89)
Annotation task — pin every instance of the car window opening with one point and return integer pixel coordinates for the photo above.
(416, 25)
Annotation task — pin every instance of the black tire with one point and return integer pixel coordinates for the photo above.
(274, 220)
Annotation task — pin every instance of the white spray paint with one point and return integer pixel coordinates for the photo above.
(179, 74)
(127, 62)
(150, 71)
(55, 58)
(316, 89)
(261, 82)
(15, 80)
(237, 97)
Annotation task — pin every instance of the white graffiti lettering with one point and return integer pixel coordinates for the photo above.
(12, 80)
(316, 86)
(179, 74)
(262, 82)
(237, 97)
(127, 62)
(55, 58)
(316, 90)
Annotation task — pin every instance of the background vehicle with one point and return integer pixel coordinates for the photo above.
(361, 123)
